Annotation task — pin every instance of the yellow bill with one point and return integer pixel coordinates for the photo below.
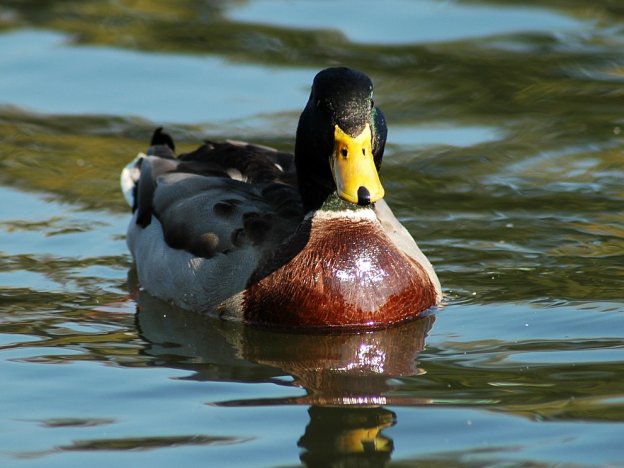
(353, 167)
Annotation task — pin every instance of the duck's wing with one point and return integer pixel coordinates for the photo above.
(204, 220)
(235, 191)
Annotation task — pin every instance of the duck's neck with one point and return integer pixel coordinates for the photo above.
(333, 203)
(314, 192)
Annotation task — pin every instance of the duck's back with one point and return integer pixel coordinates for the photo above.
(196, 216)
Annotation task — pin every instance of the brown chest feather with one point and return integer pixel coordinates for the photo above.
(347, 274)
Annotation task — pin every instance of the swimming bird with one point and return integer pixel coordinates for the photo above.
(250, 233)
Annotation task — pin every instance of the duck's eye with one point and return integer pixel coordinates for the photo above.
(372, 103)
(364, 151)
(344, 152)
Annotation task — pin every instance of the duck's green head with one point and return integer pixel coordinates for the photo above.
(340, 140)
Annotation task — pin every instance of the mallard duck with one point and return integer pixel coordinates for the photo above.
(253, 234)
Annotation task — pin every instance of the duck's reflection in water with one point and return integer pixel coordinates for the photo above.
(347, 376)
(347, 436)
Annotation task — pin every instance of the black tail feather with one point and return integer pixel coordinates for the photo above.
(161, 138)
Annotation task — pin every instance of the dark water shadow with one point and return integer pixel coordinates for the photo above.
(346, 376)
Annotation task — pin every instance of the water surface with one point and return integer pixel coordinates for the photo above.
(504, 161)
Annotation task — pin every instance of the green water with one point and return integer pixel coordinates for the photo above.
(504, 161)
